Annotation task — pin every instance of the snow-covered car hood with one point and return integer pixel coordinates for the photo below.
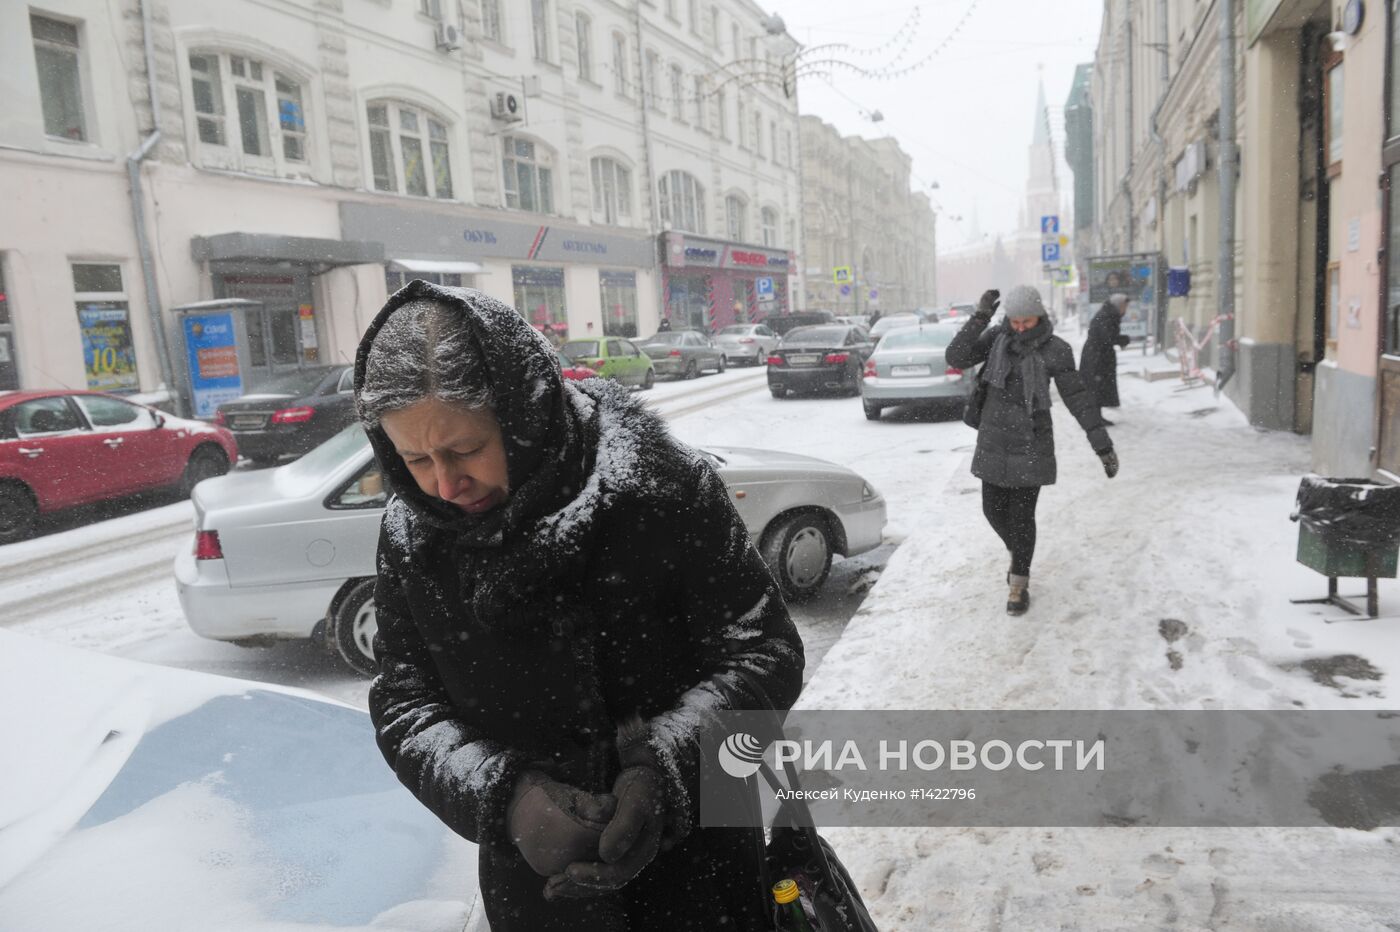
(782, 465)
(151, 798)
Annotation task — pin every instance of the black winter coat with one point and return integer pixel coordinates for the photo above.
(617, 581)
(1016, 448)
(1098, 361)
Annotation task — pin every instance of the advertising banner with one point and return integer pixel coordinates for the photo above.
(108, 351)
(212, 350)
(1133, 275)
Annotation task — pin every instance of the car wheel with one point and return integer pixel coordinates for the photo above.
(692, 369)
(758, 358)
(648, 380)
(872, 411)
(798, 549)
(723, 364)
(778, 392)
(18, 513)
(206, 462)
(354, 626)
(854, 390)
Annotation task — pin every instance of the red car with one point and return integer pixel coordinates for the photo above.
(573, 370)
(60, 448)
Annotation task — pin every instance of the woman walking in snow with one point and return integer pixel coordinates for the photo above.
(565, 594)
(1015, 454)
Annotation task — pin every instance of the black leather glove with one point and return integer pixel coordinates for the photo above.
(1110, 463)
(989, 302)
(629, 843)
(1123, 341)
(554, 824)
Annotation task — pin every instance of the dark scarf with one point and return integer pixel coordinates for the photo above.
(1022, 349)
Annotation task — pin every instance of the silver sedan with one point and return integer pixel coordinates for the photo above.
(909, 366)
(290, 552)
(683, 353)
(748, 343)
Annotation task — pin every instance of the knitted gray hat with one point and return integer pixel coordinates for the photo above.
(1023, 301)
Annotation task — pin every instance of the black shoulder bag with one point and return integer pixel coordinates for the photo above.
(972, 411)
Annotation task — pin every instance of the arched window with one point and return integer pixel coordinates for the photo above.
(736, 211)
(769, 221)
(612, 191)
(249, 116)
(682, 202)
(528, 175)
(408, 150)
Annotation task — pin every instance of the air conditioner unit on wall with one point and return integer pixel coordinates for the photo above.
(506, 108)
(447, 37)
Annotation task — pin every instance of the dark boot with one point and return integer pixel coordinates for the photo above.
(1018, 597)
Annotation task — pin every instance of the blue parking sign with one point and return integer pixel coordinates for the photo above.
(764, 287)
(1050, 252)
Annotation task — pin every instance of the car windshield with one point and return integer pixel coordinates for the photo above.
(930, 337)
(580, 348)
(670, 336)
(738, 330)
(816, 336)
(296, 384)
(316, 465)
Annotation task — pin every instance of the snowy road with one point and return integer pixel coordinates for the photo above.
(108, 586)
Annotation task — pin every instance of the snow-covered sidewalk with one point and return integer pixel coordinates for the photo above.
(1167, 587)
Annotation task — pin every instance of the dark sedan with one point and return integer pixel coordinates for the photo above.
(813, 359)
(291, 413)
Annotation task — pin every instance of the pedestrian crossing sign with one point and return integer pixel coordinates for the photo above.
(841, 275)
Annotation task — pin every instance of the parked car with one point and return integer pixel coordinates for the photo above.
(294, 557)
(908, 366)
(290, 413)
(893, 322)
(572, 370)
(855, 320)
(781, 324)
(749, 343)
(614, 358)
(684, 353)
(958, 312)
(822, 358)
(59, 449)
(158, 798)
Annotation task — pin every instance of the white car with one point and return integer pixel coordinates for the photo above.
(146, 798)
(747, 343)
(290, 552)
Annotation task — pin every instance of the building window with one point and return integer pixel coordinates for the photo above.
(612, 191)
(677, 94)
(529, 179)
(1335, 103)
(693, 9)
(682, 202)
(700, 103)
(259, 136)
(758, 134)
(773, 140)
(734, 41)
(714, 26)
(671, 10)
(619, 63)
(539, 24)
(618, 291)
(109, 355)
(539, 296)
(491, 20)
(56, 55)
(768, 217)
(743, 122)
(722, 108)
(395, 279)
(9, 365)
(584, 27)
(735, 214)
(1334, 302)
(431, 8)
(791, 159)
(653, 100)
(400, 135)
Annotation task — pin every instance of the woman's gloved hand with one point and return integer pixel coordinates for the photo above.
(554, 824)
(1110, 463)
(1123, 341)
(628, 844)
(989, 302)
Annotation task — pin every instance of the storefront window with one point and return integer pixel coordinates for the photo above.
(9, 368)
(619, 301)
(396, 280)
(539, 296)
(105, 321)
(688, 301)
(1391, 318)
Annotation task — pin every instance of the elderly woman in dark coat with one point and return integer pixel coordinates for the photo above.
(1015, 453)
(565, 596)
(1098, 361)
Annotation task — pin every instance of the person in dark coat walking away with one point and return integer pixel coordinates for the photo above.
(1098, 360)
(664, 326)
(565, 596)
(1015, 453)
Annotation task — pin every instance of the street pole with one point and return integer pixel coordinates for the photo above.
(1228, 160)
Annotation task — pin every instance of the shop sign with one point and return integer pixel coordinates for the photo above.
(108, 351)
(211, 350)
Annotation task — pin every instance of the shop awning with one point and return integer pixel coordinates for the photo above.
(435, 266)
(267, 247)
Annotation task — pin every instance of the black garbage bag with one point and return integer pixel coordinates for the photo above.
(1356, 511)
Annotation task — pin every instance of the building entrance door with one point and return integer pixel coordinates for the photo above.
(281, 335)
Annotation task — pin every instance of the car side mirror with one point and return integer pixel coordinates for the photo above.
(160, 419)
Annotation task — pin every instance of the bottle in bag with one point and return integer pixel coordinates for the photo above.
(791, 916)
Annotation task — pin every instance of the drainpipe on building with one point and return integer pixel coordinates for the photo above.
(1132, 143)
(655, 225)
(138, 216)
(1160, 325)
(1228, 159)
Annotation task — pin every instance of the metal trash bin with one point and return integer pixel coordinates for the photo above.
(1348, 527)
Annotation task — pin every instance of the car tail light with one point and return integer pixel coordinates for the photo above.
(869, 369)
(950, 372)
(674, 352)
(747, 340)
(775, 360)
(207, 547)
(220, 419)
(293, 415)
(836, 359)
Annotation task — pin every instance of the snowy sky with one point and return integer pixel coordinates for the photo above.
(966, 116)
